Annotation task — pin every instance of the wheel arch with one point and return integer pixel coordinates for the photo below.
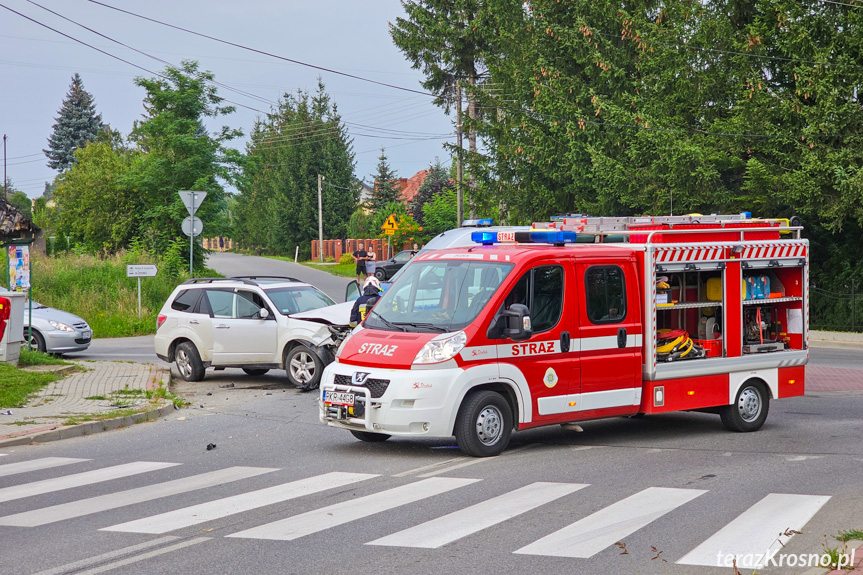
(769, 378)
(505, 389)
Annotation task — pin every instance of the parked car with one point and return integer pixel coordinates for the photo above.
(254, 323)
(387, 268)
(56, 331)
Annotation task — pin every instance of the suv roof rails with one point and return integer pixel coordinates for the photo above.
(211, 280)
(283, 278)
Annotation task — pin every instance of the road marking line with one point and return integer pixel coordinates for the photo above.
(432, 466)
(590, 535)
(446, 529)
(80, 479)
(36, 465)
(227, 506)
(466, 461)
(143, 556)
(92, 505)
(70, 567)
(340, 513)
(758, 530)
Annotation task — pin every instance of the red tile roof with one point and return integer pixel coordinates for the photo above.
(410, 186)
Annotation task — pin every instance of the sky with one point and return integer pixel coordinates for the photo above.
(349, 36)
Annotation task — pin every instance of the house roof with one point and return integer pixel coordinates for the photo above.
(14, 224)
(410, 186)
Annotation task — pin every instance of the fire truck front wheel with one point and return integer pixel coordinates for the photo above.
(484, 424)
(749, 410)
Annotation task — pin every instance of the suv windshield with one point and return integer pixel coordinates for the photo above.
(438, 295)
(296, 299)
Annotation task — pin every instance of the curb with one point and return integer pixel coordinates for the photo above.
(89, 428)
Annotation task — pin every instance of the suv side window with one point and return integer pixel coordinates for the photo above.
(186, 300)
(249, 305)
(221, 303)
(541, 290)
(606, 294)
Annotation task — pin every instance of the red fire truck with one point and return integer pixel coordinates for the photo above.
(576, 319)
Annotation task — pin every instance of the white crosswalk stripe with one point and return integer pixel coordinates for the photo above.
(340, 513)
(464, 522)
(590, 535)
(36, 465)
(130, 497)
(757, 531)
(197, 514)
(80, 479)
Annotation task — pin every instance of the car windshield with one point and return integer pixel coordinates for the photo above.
(296, 299)
(438, 295)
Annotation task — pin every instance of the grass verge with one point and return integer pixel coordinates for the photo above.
(17, 385)
(30, 357)
(343, 270)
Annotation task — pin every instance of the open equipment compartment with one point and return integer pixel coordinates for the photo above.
(774, 293)
(694, 305)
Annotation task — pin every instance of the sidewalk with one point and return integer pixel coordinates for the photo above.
(117, 397)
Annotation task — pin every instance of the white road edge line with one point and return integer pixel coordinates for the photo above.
(142, 556)
(475, 460)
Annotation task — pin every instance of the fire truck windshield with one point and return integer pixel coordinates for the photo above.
(438, 295)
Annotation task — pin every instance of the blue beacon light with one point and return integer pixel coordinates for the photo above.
(484, 238)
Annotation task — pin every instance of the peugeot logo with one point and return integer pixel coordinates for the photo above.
(359, 377)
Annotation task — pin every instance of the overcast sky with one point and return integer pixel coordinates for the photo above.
(351, 36)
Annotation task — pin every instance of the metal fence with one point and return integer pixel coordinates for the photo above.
(836, 311)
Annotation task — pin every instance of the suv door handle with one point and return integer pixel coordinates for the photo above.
(564, 341)
(223, 326)
(621, 337)
(194, 321)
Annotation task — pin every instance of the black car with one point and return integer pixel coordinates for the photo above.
(386, 269)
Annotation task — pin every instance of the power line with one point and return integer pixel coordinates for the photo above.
(291, 60)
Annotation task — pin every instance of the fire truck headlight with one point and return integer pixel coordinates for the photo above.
(442, 348)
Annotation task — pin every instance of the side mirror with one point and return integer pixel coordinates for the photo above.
(517, 322)
(352, 291)
(264, 313)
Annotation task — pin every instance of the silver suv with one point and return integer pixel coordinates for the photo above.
(253, 322)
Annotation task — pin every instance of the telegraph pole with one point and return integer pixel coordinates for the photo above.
(320, 220)
(459, 172)
(4, 169)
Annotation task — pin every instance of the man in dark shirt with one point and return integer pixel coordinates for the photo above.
(360, 256)
(364, 303)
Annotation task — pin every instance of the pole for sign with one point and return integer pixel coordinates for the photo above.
(139, 298)
(320, 220)
(191, 239)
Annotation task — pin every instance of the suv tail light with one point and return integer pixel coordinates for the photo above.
(160, 320)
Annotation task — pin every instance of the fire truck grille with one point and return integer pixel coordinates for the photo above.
(377, 387)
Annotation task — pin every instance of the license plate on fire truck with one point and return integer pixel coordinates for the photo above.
(338, 398)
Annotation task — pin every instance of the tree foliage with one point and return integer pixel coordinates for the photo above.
(439, 215)
(77, 124)
(436, 182)
(386, 185)
(277, 208)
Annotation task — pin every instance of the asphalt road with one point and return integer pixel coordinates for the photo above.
(293, 496)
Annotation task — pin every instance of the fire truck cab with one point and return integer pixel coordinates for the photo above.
(578, 319)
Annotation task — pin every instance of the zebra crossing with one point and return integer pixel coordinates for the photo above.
(752, 531)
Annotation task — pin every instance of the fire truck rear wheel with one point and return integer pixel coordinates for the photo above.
(749, 410)
(484, 424)
(369, 436)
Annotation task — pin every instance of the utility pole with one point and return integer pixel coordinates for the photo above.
(4, 169)
(320, 220)
(459, 173)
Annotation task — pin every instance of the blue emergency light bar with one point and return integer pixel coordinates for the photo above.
(488, 238)
(483, 223)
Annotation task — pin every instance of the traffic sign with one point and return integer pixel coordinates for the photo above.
(141, 271)
(192, 200)
(390, 232)
(391, 224)
(188, 224)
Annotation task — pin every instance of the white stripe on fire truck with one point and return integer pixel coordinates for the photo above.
(347, 511)
(438, 532)
(590, 535)
(545, 347)
(755, 531)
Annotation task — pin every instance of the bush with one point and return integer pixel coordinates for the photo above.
(346, 259)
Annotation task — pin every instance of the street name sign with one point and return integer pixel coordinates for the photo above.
(141, 271)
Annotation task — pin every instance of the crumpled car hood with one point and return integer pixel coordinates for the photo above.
(338, 314)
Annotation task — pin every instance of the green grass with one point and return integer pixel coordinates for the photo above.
(343, 270)
(30, 357)
(17, 385)
(850, 535)
(116, 413)
(97, 289)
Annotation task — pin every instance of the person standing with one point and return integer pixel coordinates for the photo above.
(370, 264)
(360, 256)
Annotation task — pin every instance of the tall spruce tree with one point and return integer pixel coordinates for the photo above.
(77, 124)
(387, 188)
